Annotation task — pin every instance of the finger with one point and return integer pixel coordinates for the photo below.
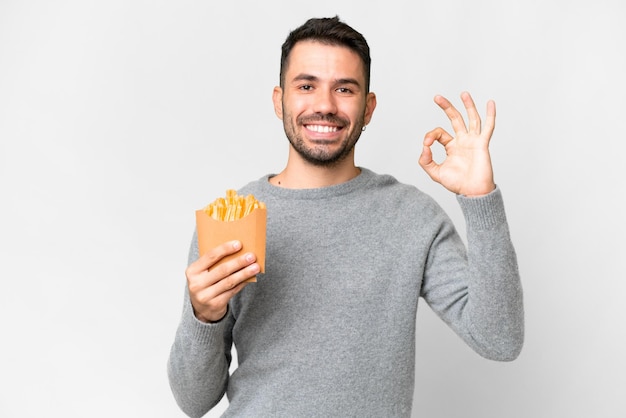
(209, 285)
(428, 164)
(211, 307)
(490, 120)
(426, 157)
(224, 270)
(438, 134)
(197, 281)
(213, 256)
(458, 124)
(473, 116)
(219, 304)
(211, 303)
(218, 293)
(236, 279)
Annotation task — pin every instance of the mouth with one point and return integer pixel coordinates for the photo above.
(322, 129)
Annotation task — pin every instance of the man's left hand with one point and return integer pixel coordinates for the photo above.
(467, 168)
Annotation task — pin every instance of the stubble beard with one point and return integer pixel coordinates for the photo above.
(320, 155)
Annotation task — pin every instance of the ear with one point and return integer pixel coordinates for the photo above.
(277, 98)
(370, 105)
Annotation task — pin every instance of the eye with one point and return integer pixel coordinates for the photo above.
(344, 90)
(306, 87)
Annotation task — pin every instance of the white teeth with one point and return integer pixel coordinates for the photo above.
(322, 128)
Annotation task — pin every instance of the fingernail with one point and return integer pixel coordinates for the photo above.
(249, 257)
(236, 245)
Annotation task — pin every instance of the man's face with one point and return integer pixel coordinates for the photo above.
(323, 103)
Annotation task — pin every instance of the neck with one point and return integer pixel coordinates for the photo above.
(299, 174)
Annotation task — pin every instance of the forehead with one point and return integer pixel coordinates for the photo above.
(324, 60)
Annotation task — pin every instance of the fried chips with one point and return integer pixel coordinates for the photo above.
(232, 207)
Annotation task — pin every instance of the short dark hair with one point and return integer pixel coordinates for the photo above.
(330, 31)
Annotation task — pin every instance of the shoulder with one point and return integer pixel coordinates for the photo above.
(255, 186)
(389, 185)
(394, 193)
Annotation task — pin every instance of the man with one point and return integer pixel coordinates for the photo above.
(329, 328)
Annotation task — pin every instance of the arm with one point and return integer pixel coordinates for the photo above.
(478, 292)
(199, 361)
(200, 355)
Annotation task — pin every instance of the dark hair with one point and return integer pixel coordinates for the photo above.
(330, 31)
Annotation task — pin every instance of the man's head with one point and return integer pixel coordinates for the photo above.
(324, 99)
(329, 31)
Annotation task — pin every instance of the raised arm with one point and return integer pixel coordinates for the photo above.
(477, 292)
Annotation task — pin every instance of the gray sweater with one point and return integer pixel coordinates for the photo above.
(329, 329)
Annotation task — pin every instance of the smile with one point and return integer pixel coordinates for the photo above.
(322, 128)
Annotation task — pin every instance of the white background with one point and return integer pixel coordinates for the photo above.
(120, 118)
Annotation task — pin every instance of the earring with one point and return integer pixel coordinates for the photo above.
(363, 128)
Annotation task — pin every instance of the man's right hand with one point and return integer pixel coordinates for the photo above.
(211, 286)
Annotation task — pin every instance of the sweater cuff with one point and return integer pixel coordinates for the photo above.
(202, 332)
(483, 212)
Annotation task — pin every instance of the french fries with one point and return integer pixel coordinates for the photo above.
(232, 207)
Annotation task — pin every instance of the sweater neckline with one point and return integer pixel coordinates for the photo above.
(349, 186)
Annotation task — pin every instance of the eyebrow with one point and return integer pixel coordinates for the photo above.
(310, 77)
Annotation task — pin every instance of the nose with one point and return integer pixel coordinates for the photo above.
(325, 102)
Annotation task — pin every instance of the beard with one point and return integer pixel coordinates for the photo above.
(320, 155)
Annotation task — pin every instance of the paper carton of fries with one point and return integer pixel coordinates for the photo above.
(233, 218)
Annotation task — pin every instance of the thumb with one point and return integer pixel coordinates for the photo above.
(428, 164)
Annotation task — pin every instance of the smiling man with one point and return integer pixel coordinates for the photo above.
(329, 328)
(324, 103)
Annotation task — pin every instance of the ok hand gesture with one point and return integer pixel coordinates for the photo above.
(467, 168)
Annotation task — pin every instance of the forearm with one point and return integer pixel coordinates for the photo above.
(476, 290)
(493, 314)
(198, 363)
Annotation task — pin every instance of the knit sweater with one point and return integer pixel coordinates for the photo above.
(329, 329)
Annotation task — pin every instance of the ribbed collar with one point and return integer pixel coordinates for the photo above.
(357, 183)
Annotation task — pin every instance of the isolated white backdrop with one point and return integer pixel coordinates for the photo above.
(118, 119)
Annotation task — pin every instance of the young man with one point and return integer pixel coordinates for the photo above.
(329, 328)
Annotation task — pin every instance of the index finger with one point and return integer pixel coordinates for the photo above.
(205, 261)
(458, 124)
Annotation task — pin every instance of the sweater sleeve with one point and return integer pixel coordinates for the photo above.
(199, 359)
(477, 291)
